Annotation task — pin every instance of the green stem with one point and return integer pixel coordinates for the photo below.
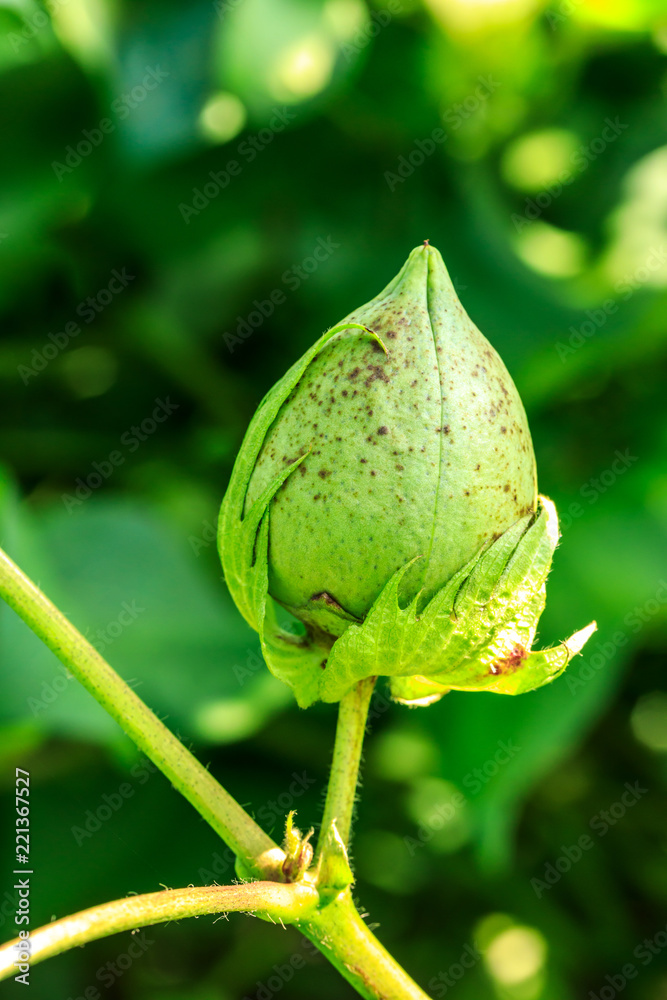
(343, 937)
(344, 775)
(269, 898)
(336, 928)
(259, 853)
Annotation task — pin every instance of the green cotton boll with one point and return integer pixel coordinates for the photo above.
(422, 451)
(385, 495)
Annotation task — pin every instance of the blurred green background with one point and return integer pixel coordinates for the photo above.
(190, 194)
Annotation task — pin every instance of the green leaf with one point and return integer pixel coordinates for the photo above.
(130, 582)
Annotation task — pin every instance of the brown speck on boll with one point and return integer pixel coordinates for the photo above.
(415, 394)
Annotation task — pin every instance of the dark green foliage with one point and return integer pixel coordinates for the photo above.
(141, 327)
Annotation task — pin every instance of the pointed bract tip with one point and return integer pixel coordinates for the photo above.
(577, 641)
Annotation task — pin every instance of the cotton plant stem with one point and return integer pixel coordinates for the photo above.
(344, 775)
(336, 928)
(342, 936)
(277, 901)
(260, 854)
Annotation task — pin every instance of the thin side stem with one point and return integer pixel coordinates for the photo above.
(337, 928)
(344, 775)
(278, 901)
(259, 853)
